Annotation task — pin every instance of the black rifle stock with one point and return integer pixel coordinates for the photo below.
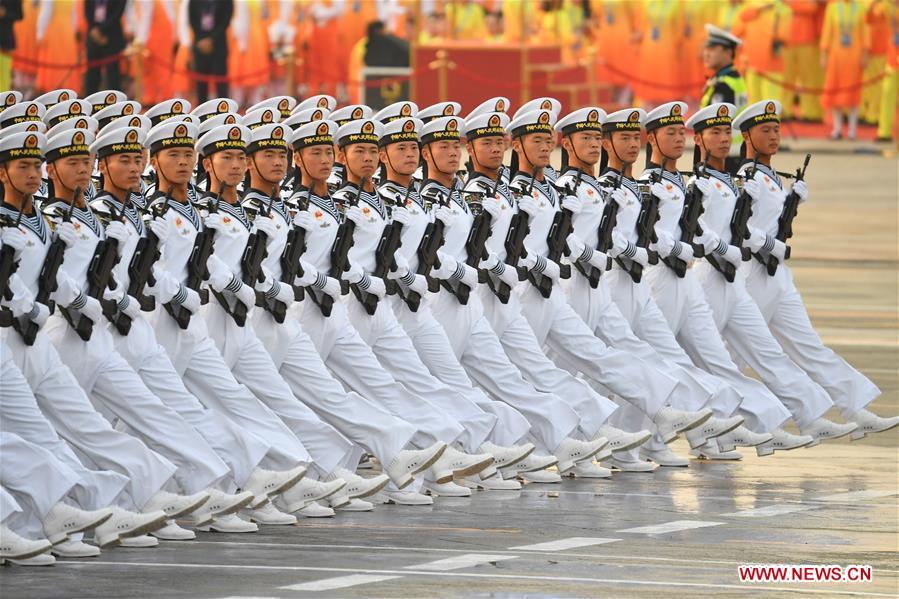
(557, 240)
(290, 261)
(340, 252)
(604, 234)
(251, 266)
(689, 223)
(47, 281)
(785, 221)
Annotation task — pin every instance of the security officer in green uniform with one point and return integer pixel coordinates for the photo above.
(727, 84)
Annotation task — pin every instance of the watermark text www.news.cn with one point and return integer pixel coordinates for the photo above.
(805, 573)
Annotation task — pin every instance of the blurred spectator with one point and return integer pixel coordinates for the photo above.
(10, 12)
(434, 29)
(845, 42)
(59, 43)
(878, 20)
(209, 21)
(765, 25)
(494, 22)
(802, 63)
(467, 20)
(384, 49)
(105, 39)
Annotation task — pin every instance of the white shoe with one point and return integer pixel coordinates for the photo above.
(357, 505)
(711, 451)
(367, 462)
(140, 542)
(823, 429)
(711, 428)
(269, 514)
(741, 437)
(229, 523)
(503, 456)
(308, 491)
(671, 421)
(547, 477)
(358, 487)
(124, 525)
(631, 465)
(175, 506)
(409, 462)
(63, 520)
(781, 440)
(589, 470)
(532, 463)
(264, 484)
(454, 463)
(869, 422)
(620, 440)
(494, 483)
(315, 510)
(220, 504)
(73, 548)
(408, 498)
(449, 489)
(172, 532)
(44, 559)
(664, 457)
(15, 546)
(571, 451)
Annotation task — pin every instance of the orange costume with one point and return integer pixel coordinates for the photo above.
(660, 66)
(26, 43)
(59, 28)
(878, 19)
(248, 58)
(319, 37)
(765, 27)
(614, 24)
(802, 62)
(696, 15)
(155, 31)
(845, 41)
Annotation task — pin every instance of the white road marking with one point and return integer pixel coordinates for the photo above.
(674, 526)
(566, 579)
(466, 560)
(856, 496)
(340, 582)
(562, 544)
(771, 510)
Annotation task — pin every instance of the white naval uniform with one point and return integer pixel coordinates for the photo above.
(9, 508)
(392, 346)
(428, 336)
(479, 349)
(358, 419)
(196, 358)
(240, 450)
(783, 309)
(515, 333)
(682, 302)
(110, 381)
(342, 348)
(741, 324)
(251, 364)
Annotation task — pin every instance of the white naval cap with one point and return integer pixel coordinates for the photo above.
(167, 109)
(33, 126)
(315, 133)
(122, 140)
(24, 144)
(397, 110)
(22, 112)
(545, 103)
(323, 101)
(353, 112)
(404, 128)
(361, 131)
(212, 107)
(272, 136)
(440, 109)
(101, 99)
(535, 121)
(444, 128)
(9, 98)
(259, 117)
(497, 104)
(486, 124)
(222, 138)
(114, 111)
(88, 123)
(74, 142)
(225, 118)
(670, 113)
(135, 120)
(302, 117)
(629, 119)
(713, 115)
(590, 118)
(283, 104)
(766, 111)
(171, 134)
(55, 97)
(715, 36)
(189, 118)
(66, 110)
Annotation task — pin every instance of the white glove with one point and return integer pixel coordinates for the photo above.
(527, 261)
(619, 197)
(309, 276)
(353, 274)
(246, 295)
(192, 302)
(401, 216)
(419, 285)
(219, 273)
(704, 185)
(22, 299)
(619, 243)
(732, 254)
(664, 192)
(779, 250)
(665, 243)
(113, 295)
(39, 314)
(551, 269)
(752, 188)
(92, 310)
(756, 239)
(572, 203)
(686, 252)
(265, 224)
(332, 288)
(130, 307)
(492, 206)
(507, 275)
(214, 221)
(160, 228)
(66, 290)
(15, 238)
(599, 260)
(470, 276)
(445, 215)
(401, 270)
(709, 240)
(118, 231)
(447, 267)
(273, 289)
(166, 286)
(528, 205)
(303, 220)
(641, 257)
(801, 189)
(576, 246)
(66, 232)
(374, 286)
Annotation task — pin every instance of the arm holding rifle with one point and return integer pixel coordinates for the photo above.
(775, 250)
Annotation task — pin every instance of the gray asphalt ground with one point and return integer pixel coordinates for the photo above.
(833, 504)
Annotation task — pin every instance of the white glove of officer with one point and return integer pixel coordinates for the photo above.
(732, 254)
(800, 188)
(353, 274)
(419, 285)
(619, 244)
(303, 220)
(709, 240)
(551, 269)
(331, 287)
(704, 185)
(191, 302)
(219, 273)
(619, 197)
(756, 239)
(686, 252)
(576, 246)
(492, 206)
(92, 310)
(664, 191)
(130, 307)
(160, 228)
(445, 215)
(401, 270)
(752, 188)
(118, 231)
(246, 295)
(66, 232)
(14, 237)
(66, 290)
(114, 295)
(166, 286)
(528, 205)
(401, 216)
(309, 276)
(665, 243)
(373, 285)
(599, 260)
(265, 224)
(354, 213)
(447, 267)
(470, 276)
(215, 221)
(22, 299)
(528, 261)
(507, 274)
(572, 203)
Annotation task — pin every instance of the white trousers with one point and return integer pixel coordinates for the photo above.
(744, 330)
(784, 311)
(9, 507)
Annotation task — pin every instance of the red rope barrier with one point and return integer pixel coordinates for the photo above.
(63, 66)
(820, 90)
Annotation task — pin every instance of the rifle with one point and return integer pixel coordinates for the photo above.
(290, 262)
(519, 228)
(476, 247)
(689, 223)
(140, 270)
(251, 266)
(431, 242)
(738, 226)
(8, 266)
(785, 221)
(47, 282)
(384, 260)
(604, 234)
(340, 252)
(557, 241)
(646, 233)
